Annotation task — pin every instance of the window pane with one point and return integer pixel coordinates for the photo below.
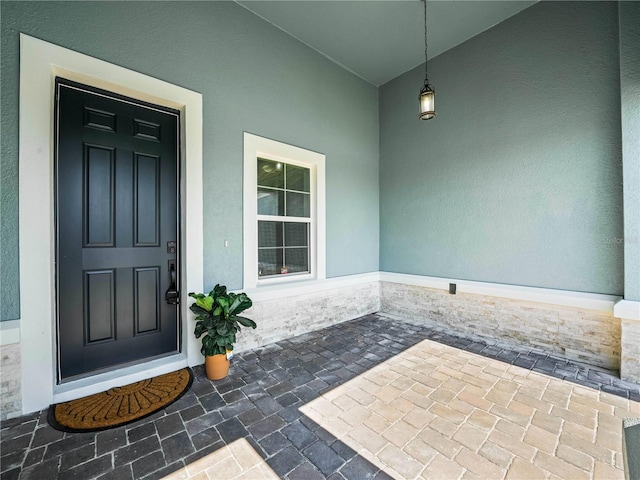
(269, 234)
(297, 259)
(298, 178)
(296, 234)
(270, 173)
(298, 205)
(269, 261)
(270, 202)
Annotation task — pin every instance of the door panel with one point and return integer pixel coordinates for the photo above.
(98, 196)
(146, 200)
(116, 209)
(147, 299)
(99, 305)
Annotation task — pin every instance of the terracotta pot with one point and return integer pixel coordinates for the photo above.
(216, 366)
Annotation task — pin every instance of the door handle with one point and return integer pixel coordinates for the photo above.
(172, 296)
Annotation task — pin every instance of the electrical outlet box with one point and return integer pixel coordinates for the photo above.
(452, 288)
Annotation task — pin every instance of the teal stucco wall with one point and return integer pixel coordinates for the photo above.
(630, 102)
(253, 78)
(518, 180)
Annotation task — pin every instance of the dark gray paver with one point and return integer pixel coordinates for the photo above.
(260, 402)
(285, 461)
(91, 469)
(323, 457)
(359, 468)
(273, 443)
(177, 447)
(147, 464)
(299, 435)
(169, 425)
(140, 432)
(78, 456)
(134, 451)
(305, 471)
(266, 426)
(121, 473)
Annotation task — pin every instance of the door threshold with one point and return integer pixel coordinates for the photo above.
(117, 378)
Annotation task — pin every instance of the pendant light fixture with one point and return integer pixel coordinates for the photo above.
(427, 94)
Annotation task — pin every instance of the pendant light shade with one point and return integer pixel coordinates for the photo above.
(427, 93)
(427, 102)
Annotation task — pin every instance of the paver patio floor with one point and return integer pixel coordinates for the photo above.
(370, 398)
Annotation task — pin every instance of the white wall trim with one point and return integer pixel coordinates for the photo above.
(564, 298)
(255, 146)
(273, 292)
(9, 332)
(627, 309)
(40, 62)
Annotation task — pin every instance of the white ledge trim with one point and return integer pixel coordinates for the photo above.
(273, 292)
(627, 309)
(9, 332)
(564, 298)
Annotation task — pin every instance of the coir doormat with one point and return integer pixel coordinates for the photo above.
(120, 405)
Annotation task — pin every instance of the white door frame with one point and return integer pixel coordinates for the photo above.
(40, 63)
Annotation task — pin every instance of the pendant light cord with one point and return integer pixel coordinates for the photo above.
(426, 76)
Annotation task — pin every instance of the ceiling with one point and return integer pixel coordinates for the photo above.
(381, 39)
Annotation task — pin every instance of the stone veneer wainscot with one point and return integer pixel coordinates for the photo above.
(587, 336)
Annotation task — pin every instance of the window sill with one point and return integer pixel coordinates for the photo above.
(284, 278)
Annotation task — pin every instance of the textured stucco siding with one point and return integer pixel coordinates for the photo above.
(518, 180)
(584, 335)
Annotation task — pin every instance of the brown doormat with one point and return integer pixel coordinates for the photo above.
(120, 405)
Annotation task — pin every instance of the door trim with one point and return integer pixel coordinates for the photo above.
(40, 63)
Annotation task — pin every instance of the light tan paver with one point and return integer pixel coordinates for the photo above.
(470, 436)
(442, 468)
(235, 461)
(437, 412)
(579, 459)
(541, 439)
(479, 465)
(497, 455)
(522, 470)
(482, 419)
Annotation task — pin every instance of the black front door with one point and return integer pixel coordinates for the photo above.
(117, 229)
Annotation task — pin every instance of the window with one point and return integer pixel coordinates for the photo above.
(284, 221)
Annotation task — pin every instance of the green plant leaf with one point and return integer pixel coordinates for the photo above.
(218, 291)
(199, 311)
(200, 329)
(205, 303)
(240, 303)
(246, 322)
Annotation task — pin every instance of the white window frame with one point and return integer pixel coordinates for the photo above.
(259, 147)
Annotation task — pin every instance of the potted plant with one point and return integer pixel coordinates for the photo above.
(218, 319)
